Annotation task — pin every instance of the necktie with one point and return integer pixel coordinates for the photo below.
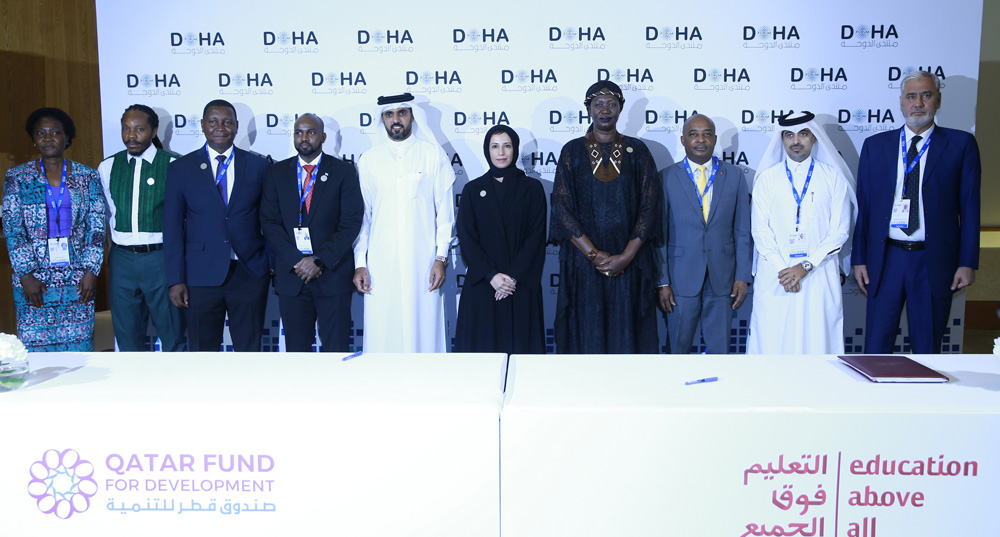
(305, 182)
(220, 179)
(912, 186)
(702, 182)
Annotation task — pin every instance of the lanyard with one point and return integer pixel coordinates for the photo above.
(305, 191)
(708, 185)
(908, 166)
(53, 200)
(795, 194)
(223, 167)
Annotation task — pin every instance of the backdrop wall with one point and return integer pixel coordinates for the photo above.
(528, 66)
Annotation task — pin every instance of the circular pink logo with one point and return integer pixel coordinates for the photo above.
(62, 483)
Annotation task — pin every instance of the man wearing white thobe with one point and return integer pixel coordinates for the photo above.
(408, 227)
(800, 219)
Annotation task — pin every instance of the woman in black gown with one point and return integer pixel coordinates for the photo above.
(605, 218)
(501, 233)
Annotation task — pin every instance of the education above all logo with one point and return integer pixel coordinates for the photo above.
(62, 483)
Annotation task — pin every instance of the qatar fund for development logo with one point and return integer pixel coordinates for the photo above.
(62, 483)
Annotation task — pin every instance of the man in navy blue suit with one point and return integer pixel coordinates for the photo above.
(311, 212)
(213, 247)
(917, 236)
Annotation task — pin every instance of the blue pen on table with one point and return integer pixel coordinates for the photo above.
(699, 381)
(349, 356)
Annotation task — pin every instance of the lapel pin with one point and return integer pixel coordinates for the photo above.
(628, 149)
(482, 193)
(150, 181)
(204, 166)
(323, 178)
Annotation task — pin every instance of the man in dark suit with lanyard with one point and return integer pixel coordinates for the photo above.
(214, 250)
(311, 212)
(917, 235)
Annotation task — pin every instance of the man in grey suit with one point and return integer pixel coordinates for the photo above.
(708, 252)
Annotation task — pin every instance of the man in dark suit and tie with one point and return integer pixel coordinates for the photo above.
(311, 213)
(213, 247)
(917, 236)
(708, 254)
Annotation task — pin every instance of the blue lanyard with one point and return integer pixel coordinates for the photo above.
(795, 194)
(221, 172)
(708, 185)
(304, 192)
(54, 201)
(908, 166)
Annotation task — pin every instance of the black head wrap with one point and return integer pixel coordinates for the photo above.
(605, 86)
(795, 118)
(512, 168)
(393, 99)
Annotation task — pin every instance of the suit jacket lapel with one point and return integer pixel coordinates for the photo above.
(289, 182)
(688, 186)
(209, 177)
(238, 169)
(319, 187)
(886, 187)
(939, 140)
(718, 186)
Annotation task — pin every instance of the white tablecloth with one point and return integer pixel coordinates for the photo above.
(253, 444)
(286, 444)
(619, 445)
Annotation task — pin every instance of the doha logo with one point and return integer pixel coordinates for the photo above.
(62, 483)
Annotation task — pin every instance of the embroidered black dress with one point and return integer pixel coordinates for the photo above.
(596, 314)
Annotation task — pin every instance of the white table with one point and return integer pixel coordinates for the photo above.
(619, 445)
(375, 446)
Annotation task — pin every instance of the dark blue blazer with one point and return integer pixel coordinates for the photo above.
(950, 203)
(334, 221)
(199, 229)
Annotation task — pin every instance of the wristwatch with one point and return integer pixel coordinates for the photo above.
(807, 266)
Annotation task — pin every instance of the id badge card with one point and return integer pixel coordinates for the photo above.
(59, 252)
(797, 245)
(302, 240)
(900, 214)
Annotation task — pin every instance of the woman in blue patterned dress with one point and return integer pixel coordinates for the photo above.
(53, 217)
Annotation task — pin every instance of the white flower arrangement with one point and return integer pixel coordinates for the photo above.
(12, 351)
(13, 363)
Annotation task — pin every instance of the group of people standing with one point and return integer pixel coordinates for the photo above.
(202, 233)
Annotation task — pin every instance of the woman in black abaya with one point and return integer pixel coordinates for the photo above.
(501, 233)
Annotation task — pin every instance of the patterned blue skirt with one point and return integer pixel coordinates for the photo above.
(61, 324)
